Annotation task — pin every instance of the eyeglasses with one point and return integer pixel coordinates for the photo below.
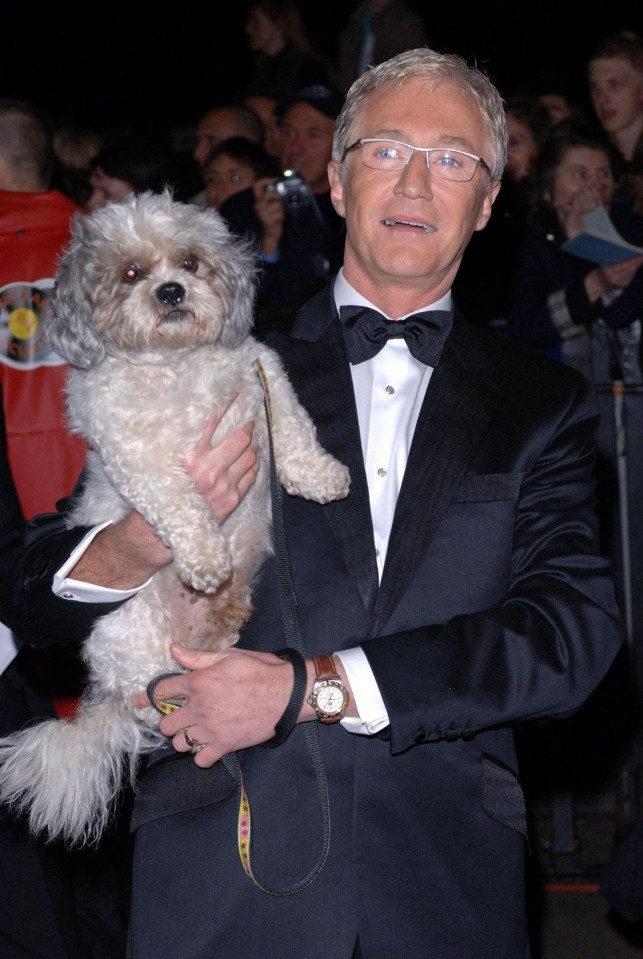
(392, 155)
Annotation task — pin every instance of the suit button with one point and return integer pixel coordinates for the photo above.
(419, 736)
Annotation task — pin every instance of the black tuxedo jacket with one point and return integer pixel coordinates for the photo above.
(494, 608)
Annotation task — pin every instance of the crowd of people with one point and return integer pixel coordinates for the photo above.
(466, 585)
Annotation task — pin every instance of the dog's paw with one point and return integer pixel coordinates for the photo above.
(326, 480)
(204, 573)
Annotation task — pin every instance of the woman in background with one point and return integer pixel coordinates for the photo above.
(582, 313)
(234, 165)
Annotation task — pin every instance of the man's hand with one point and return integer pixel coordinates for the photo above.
(270, 210)
(223, 473)
(126, 554)
(232, 699)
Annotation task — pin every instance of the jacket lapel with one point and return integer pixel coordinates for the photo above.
(317, 364)
(460, 403)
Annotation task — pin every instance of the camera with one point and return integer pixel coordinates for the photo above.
(293, 189)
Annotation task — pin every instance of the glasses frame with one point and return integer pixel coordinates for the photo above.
(425, 150)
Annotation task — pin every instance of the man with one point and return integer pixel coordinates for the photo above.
(298, 234)
(615, 74)
(219, 124)
(127, 163)
(459, 584)
(45, 896)
(34, 228)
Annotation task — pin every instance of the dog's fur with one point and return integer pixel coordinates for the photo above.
(153, 310)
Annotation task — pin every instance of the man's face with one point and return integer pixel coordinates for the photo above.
(212, 129)
(307, 144)
(616, 90)
(409, 227)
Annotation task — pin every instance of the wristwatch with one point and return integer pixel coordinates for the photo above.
(329, 696)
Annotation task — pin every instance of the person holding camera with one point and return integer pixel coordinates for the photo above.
(299, 236)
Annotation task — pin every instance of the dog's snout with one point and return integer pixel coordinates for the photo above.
(170, 294)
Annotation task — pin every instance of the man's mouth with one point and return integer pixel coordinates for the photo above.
(411, 223)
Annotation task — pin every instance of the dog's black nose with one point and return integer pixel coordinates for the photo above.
(170, 294)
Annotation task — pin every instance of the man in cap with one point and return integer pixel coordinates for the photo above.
(299, 236)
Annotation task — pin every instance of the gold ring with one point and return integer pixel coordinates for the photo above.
(192, 743)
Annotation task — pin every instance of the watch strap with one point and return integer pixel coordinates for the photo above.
(325, 667)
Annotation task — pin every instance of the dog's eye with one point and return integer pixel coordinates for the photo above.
(132, 273)
(191, 264)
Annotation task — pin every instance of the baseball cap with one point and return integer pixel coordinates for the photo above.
(322, 98)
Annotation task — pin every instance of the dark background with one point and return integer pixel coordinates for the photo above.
(157, 66)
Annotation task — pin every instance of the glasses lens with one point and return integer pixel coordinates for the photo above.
(392, 155)
(385, 154)
(451, 165)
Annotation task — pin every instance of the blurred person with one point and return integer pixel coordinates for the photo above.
(456, 594)
(588, 316)
(561, 107)
(615, 75)
(483, 284)
(528, 122)
(127, 163)
(558, 106)
(584, 314)
(299, 235)
(285, 58)
(375, 31)
(34, 228)
(219, 124)
(75, 148)
(234, 165)
(53, 905)
(265, 107)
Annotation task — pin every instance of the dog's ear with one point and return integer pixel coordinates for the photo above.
(240, 269)
(70, 331)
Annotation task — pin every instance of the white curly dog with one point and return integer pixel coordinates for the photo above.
(153, 310)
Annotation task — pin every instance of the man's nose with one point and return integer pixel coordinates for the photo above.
(415, 179)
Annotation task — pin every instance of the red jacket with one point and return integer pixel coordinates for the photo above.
(45, 458)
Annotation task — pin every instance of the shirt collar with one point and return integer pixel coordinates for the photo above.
(345, 295)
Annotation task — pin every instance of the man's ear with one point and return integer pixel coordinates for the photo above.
(336, 188)
(487, 203)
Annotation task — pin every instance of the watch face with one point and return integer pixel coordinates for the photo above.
(330, 698)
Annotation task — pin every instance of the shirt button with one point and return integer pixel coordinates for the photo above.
(381, 471)
(390, 390)
(68, 596)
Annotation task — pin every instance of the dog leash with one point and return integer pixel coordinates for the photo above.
(294, 652)
(292, 630)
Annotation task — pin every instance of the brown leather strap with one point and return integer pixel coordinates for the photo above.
(325, 667)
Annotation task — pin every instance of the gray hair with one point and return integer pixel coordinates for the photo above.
(427, 64)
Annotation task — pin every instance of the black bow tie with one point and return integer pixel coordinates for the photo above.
(366, 331)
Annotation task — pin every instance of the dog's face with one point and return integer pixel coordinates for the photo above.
(148, 275)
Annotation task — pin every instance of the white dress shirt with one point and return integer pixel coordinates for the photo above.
(389, 391)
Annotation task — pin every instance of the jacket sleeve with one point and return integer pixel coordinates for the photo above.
(27, 604)
(542, 651)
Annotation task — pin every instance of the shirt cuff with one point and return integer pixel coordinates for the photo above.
(368, 701)
(67, 588)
